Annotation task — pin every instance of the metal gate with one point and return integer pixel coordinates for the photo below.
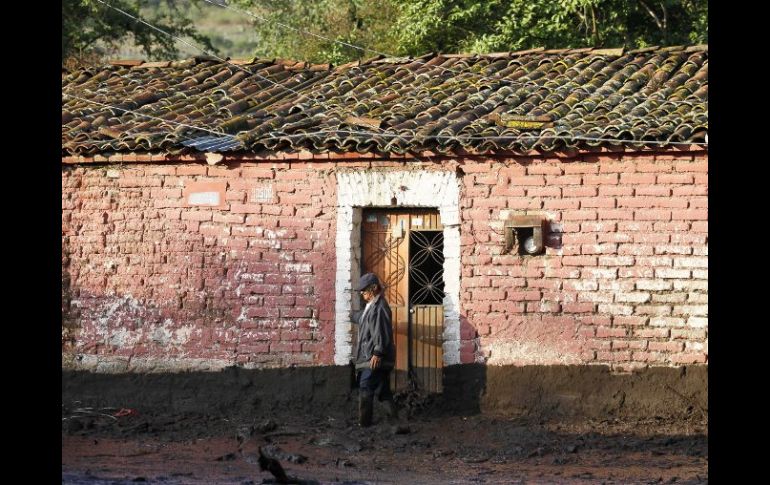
(404, 248)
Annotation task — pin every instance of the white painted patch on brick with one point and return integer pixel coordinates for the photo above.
(666, 322)
(255, 277)
(203, 198)
(694, 346)
(161, 336)
(107, 364)
(121, 337)
(262, 194)
(698, 322)
(182, 334)
(370, 188)
(113, 310)
(509, 352)
(298, 268)
(109, 328)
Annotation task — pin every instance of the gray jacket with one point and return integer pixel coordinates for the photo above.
(375, 335)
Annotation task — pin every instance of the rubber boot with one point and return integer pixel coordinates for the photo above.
(391, 410)
(365, 405)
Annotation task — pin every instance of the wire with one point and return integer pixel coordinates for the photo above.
(500, 137)
(353, 46)
(150, 116)
(366, 133)
(223, 135)
(405, 136)
(366, 49)
(241, 68)
(204, 51)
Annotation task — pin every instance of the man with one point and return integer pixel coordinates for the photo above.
(375, 352)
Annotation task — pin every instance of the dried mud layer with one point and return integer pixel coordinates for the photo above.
(426, 446)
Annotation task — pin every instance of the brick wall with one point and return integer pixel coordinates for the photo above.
(152, 284)
(624, 284)
(155, 284)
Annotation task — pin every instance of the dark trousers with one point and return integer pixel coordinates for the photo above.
(375, 383)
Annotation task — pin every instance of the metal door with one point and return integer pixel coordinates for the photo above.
(404, 248)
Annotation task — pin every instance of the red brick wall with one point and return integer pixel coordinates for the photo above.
(627, 286)
(148, 279)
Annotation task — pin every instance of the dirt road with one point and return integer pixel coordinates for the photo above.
(425, 448)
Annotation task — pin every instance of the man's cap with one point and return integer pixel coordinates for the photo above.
(368, 280)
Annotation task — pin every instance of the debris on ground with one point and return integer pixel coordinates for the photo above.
(426, 448)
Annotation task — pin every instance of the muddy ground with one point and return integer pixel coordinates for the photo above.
(427, 445)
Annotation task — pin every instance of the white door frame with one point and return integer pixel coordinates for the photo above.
(357, 190)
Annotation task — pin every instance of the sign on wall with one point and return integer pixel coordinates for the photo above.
(205, 194)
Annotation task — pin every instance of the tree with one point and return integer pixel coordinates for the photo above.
(416, 27)
(296, 29)
(316, 30)
(91, 30)
(500, 25)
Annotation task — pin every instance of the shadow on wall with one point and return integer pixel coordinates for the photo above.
(232, 392)
(468, 341)
(586, 391)
(541, 392)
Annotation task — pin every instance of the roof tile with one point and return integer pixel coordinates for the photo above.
(533, 100)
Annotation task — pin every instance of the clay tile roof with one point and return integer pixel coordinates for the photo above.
(545, 100)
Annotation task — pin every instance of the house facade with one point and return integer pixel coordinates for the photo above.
(526, 211)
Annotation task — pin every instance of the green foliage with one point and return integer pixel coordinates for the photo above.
(416, 27)
(91, 30)
(300, 29)
(500, 25)
(364, 23)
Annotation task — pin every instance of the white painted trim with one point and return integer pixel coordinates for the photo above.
(380, 188)
(110, 364)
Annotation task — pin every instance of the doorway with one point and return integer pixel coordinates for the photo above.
(405, 249)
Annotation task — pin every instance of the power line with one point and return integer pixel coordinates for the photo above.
(498, 137)
(404, 136)
(304, 32)
(245, 70)
(226, 135)
(203, 50)
(365, 133)
(357, 47)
